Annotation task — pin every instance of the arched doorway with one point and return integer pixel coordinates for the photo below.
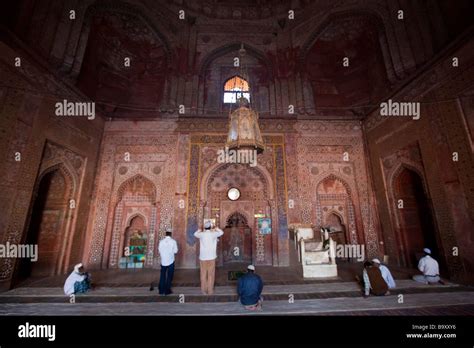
(46, 227)
(134, 220)
(334, 221)
(334, 209)
(417, 229)
(136, 240)
(255, 200)
(237, 240)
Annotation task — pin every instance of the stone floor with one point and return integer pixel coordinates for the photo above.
(190, 277)
(335, 298)
(127, 292)
(461, 302)
(332, 288)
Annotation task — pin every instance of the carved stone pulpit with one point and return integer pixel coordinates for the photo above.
(318, 258)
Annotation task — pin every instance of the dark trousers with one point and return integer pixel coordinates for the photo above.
(166, 277)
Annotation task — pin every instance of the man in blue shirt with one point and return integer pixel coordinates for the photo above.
(250, 288)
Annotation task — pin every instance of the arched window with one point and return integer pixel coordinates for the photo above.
(234, 88)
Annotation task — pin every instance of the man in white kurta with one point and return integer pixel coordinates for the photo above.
(77, 281)
(430, 269)
(167, 249)
(208, 255)
(386, 274)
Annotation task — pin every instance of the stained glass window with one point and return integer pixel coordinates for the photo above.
(234, 88)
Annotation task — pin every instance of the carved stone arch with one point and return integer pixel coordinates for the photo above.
(64, 220)
(242, 214)
(335, 212)
(71, 181)
(114, 234)
(392, 177)
(215, 169)
(133, 216)
(353, 233)
(129, 180)
(115, 6)
(398, 169)
(333, 176)
(226, 165)
(65, 166)
(373, 17)
(231, 47)
(404, 237)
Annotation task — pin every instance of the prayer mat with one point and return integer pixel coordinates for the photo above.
(234, 275)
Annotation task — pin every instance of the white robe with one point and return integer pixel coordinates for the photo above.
(71, 280)
(428, 266)
(387, 276)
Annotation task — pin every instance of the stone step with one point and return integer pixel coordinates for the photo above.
(449, 303)
(222, 293)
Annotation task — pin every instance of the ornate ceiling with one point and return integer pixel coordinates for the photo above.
(183, 62)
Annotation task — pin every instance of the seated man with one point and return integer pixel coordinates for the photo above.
(250, 288)
(430, 269)
(78, 281)
(386, 275)
(373, 281)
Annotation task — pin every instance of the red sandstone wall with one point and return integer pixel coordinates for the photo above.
(427, 146)
(334, 152)
(28, 125)
(281, 53)
(130, 151)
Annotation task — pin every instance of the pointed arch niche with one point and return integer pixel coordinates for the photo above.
(335, 208)
(256, 187)
(135, 215)
(48, 225)
(415, 224)
(54, 207)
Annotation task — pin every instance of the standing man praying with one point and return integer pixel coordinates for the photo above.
(167, 249)
(208, 255)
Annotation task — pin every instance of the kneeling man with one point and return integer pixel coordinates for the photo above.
(373, 281)
(78, 281)
(430, 269)
(250, 288)
(386, 275)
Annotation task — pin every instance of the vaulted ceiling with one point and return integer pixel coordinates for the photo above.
(177, 60)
